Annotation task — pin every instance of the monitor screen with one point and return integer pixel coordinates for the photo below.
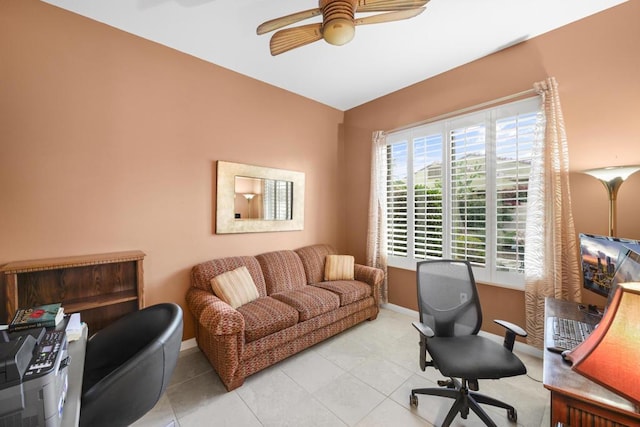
(602, 258)
(627, 271)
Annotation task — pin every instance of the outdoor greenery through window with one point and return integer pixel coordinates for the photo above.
(457, 188)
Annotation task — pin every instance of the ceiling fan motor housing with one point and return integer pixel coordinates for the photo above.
(338, 26)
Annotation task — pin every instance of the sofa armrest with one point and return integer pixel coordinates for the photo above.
(213, 314)
(372, 276)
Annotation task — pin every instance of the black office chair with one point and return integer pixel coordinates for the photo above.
(450, 318)
(128, 365)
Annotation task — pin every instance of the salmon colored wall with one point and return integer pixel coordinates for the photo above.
(109, 142)
(597, 65)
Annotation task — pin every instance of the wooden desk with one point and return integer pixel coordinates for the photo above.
(577, 401)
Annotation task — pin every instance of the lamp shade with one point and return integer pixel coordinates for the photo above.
(612, 178)
(613, 172)
(611, 353)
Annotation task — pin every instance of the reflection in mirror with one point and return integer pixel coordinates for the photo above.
(259, 198)
(248, 198)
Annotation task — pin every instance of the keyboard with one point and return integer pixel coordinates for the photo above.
(565, 334)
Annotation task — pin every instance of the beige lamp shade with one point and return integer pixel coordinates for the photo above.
(612, 173)
(612, 178)
(611, 354)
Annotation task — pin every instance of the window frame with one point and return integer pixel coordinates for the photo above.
(489, 273)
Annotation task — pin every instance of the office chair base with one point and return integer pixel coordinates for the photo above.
(464, 400)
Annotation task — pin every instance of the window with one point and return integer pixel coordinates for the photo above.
(278, 199)
(457, 188)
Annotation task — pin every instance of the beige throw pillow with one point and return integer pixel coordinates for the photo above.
(235, 287)
(339, 267)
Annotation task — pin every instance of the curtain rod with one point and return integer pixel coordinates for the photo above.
(464, 110)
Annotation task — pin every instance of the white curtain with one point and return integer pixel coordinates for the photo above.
(377, 229)
(551, 251)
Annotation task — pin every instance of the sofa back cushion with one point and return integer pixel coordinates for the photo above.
(313, 259)
(282, 270)
(202, 274)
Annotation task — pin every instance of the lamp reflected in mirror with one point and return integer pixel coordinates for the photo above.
(248, 197)
(251, 213)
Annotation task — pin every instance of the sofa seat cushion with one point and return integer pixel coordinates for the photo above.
(266, 315)
(349, 291)
(309, 301)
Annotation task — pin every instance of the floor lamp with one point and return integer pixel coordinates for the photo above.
(612, 177)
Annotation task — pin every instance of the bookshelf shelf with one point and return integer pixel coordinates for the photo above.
(101, 287)
(90, 303)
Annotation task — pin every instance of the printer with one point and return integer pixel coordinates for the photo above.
(33, 377)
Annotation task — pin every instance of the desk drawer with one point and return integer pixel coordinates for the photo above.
(578, 413)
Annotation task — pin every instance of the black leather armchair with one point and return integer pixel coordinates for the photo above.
(450, 319)
(128, 365)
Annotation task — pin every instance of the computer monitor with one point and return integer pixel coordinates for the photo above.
(627, 271)
(602, 257)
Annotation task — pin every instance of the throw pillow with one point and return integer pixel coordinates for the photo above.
(339, 267)
(235, 287)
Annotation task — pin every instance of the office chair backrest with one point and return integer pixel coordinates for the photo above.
(128, 365)
(448, 298)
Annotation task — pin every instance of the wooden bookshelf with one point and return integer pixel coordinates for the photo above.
(101, 287)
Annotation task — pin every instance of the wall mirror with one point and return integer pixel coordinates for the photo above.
(252, 199)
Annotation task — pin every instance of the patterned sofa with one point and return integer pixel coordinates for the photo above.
(295, 308)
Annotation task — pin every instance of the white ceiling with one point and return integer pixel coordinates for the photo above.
(381, 59)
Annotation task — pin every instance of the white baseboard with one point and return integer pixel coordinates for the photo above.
(519, 346)
(187, 344)
(402, 310)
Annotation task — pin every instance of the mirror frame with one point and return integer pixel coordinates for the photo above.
(225, 199)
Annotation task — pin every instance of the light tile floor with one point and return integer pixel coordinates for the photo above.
(361, 377)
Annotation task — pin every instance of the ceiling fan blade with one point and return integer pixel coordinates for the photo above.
(283, 21)
(390, 16)
(388, 5)
(291, 38)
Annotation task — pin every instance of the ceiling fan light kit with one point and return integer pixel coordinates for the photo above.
(339, 32)
(338, 21)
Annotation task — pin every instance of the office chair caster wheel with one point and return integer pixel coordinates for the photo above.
(413, 400)
(512, 415)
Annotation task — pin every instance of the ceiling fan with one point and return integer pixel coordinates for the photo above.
(338, 21)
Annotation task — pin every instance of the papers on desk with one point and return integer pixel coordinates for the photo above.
(74, 327)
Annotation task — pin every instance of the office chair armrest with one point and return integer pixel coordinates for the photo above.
(511, 330)
(218, 317)
(423, 329)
